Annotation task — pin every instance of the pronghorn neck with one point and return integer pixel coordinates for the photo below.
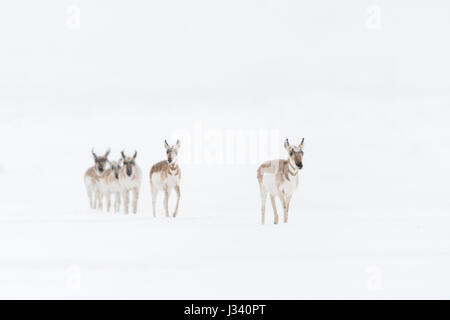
(100, 173)
(292, 168)
(173, 168)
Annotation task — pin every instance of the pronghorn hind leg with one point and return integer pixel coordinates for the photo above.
(166, 202)
(135, 199)
(177, 190)
(274, 207)
(263, 203)
(154, 197)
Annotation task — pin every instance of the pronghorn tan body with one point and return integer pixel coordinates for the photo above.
(110, 184)
(279, 178)
(165, 176)
(130, 180)
(92, 178)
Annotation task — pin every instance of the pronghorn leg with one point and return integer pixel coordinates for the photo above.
(108, 202)
(135, 199)
(274, 206)
(288, 202)
(166, 202)
(117, 202)
(177, 190)
(282, 197)
(126, 201)
(94, 199)
(154, 196)
(263, 203)
(91, 200)
(99, 201)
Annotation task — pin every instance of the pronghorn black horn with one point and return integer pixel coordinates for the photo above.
(303, 140)
(286, 143)
(93, 153)
(166, 144)
(135, 154)
(123, 154)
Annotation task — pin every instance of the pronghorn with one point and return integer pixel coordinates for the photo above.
(280, 178)
(130, 179)
(166, 175)
(109, 183)
(92, 177)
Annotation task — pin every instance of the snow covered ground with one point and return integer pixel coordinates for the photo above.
(370, 218)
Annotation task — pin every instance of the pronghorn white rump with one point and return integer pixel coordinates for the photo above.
(92, 177)
(165, 176)
(109, 184)
(130, 180)
(279, 178)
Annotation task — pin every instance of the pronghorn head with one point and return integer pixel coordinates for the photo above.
(129, 163)
(295, 153)
(116, 166)
(172, 151)
(101, 161)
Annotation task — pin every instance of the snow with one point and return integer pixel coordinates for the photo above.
(370, 217)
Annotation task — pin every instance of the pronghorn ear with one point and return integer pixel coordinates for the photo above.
(301, 143)
(107, 153)
(93, 153)
(123, 154)
(135, 155)
(287, 146)
(166, 145)
(178, 144)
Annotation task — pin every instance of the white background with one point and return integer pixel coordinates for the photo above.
(365, 82)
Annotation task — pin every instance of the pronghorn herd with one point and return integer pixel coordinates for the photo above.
(122, 179)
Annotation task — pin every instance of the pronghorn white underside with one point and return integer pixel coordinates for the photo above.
(172, 181)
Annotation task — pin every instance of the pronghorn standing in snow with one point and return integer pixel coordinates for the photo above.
(130, 179)
(280, 178)
(92, 177)
(109, 184)
(166, 175)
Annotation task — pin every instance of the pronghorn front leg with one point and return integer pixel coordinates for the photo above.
(91, 200)
(177, 190)
(99, 200)
(108, 202)
(283, 202)
(117, 202)
(288, 202)
(135, 199)
(126, 202)
(274, 206)
(166, 201)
